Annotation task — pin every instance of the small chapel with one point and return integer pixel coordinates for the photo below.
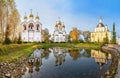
(101, 32)
(31, 29)
(59, 34)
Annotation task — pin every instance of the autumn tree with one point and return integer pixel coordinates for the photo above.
(9, 16)
(74, 34)
(46, 35)
(14, 20)
(2, 3)
(7, 34)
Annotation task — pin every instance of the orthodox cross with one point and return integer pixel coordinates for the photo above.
(59, 18)
(37, 13)
(31, 11)
(25, 13)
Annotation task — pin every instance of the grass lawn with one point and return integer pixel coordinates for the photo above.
(9, 53)
(12, 52)
(74, 45)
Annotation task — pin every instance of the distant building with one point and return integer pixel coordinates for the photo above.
(101, 31)
(31, 29)
(59, 34)
(118, 40)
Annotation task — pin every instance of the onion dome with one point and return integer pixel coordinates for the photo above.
(63, 25)
(25, 17)
(37, 17)
(56, 24)
(59, 23)
(31, 15)
(100, 23)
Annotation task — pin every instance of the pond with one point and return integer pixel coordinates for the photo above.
(60, 62)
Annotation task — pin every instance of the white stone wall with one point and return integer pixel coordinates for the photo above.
(118, 41)
(31, 35)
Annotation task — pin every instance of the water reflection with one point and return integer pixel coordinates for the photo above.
(34, 63)
(101, 59)
(59, 55)
(35, 60)
(75, 63)
(75, 54)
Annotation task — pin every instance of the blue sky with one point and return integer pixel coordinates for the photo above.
(83, 14)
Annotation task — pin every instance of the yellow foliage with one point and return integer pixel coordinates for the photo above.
(74, 34)
(75, 54)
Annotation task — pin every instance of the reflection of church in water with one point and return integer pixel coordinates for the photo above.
(31, 29)
(34, 63)
(59, 54)
(35, 60)
(100, 58)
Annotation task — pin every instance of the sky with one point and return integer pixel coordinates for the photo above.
(83, 14)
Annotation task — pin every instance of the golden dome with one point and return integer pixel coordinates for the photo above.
(56, 25)
(37, 17)
(25, 17)
(63, 26)
(31, 15)
(59, 23)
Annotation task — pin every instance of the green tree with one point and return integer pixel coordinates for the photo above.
(114, 35)
(69, 38)
(106, 40)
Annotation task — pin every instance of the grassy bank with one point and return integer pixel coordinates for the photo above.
(12, 52)
(70, 45)
(9, 53)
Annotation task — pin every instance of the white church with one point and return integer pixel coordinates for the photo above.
(31, 29)
(59, 34)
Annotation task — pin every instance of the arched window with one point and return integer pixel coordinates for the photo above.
(31, 26)
(24, 26)
(37, 27)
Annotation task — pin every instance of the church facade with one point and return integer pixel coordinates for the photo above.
(31, 29)
(101, 32)
(59, 34)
